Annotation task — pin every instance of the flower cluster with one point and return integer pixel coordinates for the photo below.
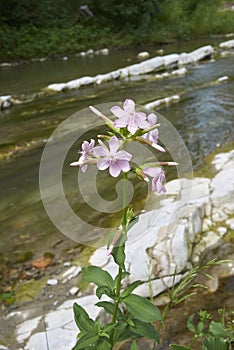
(130, 125)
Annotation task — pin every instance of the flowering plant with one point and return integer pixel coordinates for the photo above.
(132, 315)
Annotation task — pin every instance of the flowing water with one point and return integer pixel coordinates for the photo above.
(203, 117)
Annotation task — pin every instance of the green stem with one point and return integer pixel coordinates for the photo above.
(119, 276)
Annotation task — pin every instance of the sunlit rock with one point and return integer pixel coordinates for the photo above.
(202, 53)
(115, 74)
(73, 84)
(143, 55)
(5, 101)
(222, 185)
(171, 60)
(102, 78)
(163, 101)
(221, 79)
(180, 71)
(102, 52)
(227, 44)
(90, 52)
(57, 87)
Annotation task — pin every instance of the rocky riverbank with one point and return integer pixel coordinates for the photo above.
(195, 221)
(172, 65)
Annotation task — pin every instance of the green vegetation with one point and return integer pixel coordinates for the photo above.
(31, 28)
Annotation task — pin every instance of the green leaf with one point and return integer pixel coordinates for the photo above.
(146, 330)
(142, 308)
(124, 334)
(103, 345)
(200, 326)
(84, 323)
(98, 276)
(85, 341)
(130, 288)
(134, 346)
(190, 324)
(213, 343)
(217, 329)
(109, 308)
(104, 290)
(178, 347)
(118, 251)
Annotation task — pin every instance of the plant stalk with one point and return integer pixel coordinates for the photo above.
(119, 276)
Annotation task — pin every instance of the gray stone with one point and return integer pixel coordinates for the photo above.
(52, 282)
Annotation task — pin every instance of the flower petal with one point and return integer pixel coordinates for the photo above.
(129, 106)
(118, 112)
(100, 151)
(153, 172)
(123, 165)
(114, 145)
(103, 163)
(123, 155)
(114, 170)
(152, 118)
(121, 122)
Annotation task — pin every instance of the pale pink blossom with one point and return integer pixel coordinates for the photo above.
(158, 178)
(86, 156)
(129, 118)
(111, 158)
(152, 136)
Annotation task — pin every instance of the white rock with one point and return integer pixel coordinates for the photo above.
(75, 272)
(221, 79)
(218, 215)
(227, 44)
(221, 159)
(230, 223)
(5, 101)
(163, 101)
(104, 51)
(67, 264)
(115, 74)
(180, 71)
(171, 60)
(56, 87)
(82, 54)
(102, 78)
(90, 52)
(2, 347)
(222, 187)
(184, 58)
(86, 81)
(52, 282)
(24, 330)
(124, 72)
(143, 55)
(65, 58)
(222, 230)
(73, 84)
(5, 64)
(202, 52)
(74, 290)
(158, 286)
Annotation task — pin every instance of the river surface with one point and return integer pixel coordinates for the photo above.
(203, 117)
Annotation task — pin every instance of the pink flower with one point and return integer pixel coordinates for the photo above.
(128, 117)
(152, 136)
(112, 158)
(158, 177)
(86, 156)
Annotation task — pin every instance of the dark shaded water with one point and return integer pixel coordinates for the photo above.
(203, 117)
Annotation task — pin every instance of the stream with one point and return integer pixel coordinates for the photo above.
(203, 117)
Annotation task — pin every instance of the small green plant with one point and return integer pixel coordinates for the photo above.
(212, 335)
